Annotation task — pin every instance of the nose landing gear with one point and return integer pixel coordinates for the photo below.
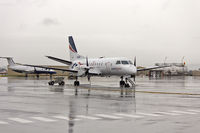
(124, 85)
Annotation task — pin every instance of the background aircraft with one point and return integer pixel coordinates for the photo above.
(27, 69)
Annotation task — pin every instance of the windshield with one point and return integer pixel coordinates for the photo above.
(131, 62)
(118, 62)
(125, 62)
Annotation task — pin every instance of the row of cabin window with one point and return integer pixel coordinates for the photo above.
(124, 62)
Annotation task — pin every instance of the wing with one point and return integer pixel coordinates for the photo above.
(151, 68)
(59, 60)
(52, 68)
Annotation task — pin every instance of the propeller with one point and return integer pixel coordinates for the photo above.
(135, 61)
(135, 66)
(35, 70)
(87, 69)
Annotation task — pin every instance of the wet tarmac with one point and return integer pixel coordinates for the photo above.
(156, 106)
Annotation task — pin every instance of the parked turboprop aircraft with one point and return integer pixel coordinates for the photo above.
(80, 66)
(27, 69)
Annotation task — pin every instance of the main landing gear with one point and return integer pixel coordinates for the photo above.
(76, 83)
(59, 80)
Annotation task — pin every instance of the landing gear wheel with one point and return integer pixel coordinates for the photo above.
(122, 83)
(62, 83)
(51, 82)
(76, 83)
(127, 85)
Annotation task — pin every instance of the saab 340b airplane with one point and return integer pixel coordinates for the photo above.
(27, 69)
(81, 66)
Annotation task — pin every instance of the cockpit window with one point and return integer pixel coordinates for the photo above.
(118, 62)
(131, 62)
(125, 62)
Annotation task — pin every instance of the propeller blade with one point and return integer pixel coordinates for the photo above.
(87, 70)
(34, 70)
(135, 61)
(88, 77)
(87, 64)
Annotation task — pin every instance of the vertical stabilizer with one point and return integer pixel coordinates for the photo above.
(10, 60)
(73, 51)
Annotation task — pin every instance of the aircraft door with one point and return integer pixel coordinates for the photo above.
(108, 67)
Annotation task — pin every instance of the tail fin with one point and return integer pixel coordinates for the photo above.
(73, 51)
(10, 60)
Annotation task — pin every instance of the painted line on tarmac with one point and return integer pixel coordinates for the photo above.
(20, 120)
(66, 118)
(3, 122)
(108, 116)
(88, 117)
(196, 111)
(43, 119)
(129, 115)
(183, 112)
(132, 91)
(167, 113)
(147, 114)
(173, 93)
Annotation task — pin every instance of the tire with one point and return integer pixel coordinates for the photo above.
(76, 83)
(127, 85)
(51, 82)
(62, 83)
(121, 83)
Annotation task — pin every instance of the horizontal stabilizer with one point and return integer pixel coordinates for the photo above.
(59, 60)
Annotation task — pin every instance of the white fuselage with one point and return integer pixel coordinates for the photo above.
(30, 70)
(105, 66)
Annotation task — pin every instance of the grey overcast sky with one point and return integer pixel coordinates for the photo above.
(148, 29)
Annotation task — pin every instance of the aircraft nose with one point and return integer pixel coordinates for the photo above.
(132, 70)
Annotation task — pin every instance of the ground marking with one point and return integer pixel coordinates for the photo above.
(43, 119)
(65, 118)
(127, 115)
(183, 112)
(197, 111)
(108, 116)
(167, 113)
(88, 117)
(3, 122)
(147, 114)
(20, 120)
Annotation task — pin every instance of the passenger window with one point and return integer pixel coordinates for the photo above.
(125, 62)
(118, 62)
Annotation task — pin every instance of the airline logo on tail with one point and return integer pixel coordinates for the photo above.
(72, 46)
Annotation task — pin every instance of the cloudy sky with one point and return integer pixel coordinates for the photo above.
(148, 29)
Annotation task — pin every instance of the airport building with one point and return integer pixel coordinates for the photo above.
(174, 69)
